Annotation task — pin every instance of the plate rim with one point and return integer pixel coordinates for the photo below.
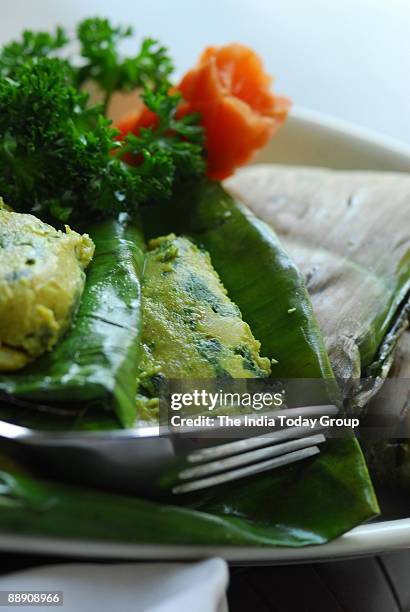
(364, 540)
(345, 127)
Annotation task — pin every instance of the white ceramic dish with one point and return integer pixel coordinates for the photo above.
(306, 139)
(365, 540)
(312, 139)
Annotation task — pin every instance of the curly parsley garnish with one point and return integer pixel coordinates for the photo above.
(59, 156)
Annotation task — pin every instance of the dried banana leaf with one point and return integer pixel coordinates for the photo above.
(388, 456)
(349, 232)
(96, 361)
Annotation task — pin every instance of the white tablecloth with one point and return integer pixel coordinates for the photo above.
(145, 587)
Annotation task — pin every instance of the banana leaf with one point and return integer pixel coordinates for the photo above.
(349, 233)
(270, 291)
(96, 361)
(388, 455)
(258, 274)
(33, 506)
(307, 503)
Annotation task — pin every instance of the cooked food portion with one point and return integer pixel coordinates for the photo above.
(191, 329)
(95, 363)
(41, 281)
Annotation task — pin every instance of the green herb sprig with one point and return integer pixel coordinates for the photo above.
(59, 155)
(100, 49)
(33, 45)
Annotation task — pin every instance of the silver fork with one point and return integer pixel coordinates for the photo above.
(153, 462)
(234, 460)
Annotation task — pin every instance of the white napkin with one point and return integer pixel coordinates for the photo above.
(131, 587)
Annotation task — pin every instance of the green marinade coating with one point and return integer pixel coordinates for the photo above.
(191, 329)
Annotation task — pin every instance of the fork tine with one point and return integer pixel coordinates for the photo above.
(239, 446)
(250, 457)
(249, 470)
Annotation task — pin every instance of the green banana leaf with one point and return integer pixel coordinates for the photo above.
(306, 503)
(86, 417)
(97, 359)
(258, 274)
(349, 233)
(270, 291)
(34, 506)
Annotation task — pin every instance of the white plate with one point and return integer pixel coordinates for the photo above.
(364, 540)
(312, 139)
(306, 139)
